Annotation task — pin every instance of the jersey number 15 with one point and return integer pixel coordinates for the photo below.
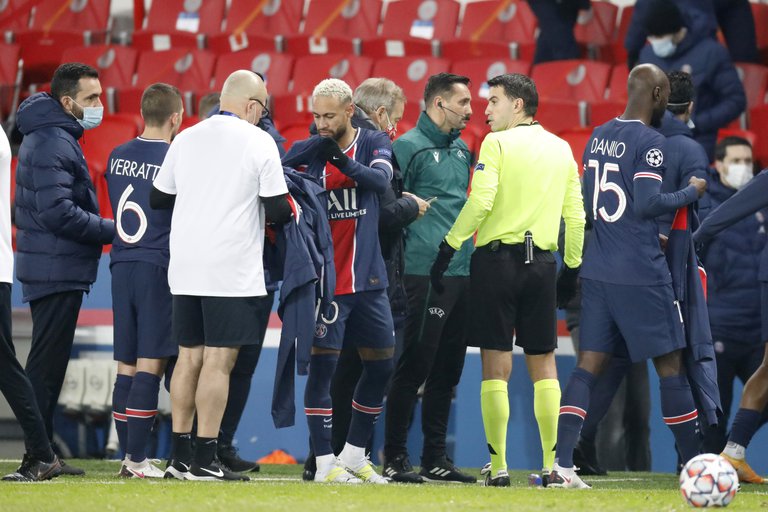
(603, 185)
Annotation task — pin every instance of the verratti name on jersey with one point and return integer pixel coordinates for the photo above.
(133, 169)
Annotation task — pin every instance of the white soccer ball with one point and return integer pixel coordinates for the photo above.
(708, 480)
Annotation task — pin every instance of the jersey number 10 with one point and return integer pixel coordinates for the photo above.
(603, 185)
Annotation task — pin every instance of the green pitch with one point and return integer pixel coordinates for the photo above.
(279, 488)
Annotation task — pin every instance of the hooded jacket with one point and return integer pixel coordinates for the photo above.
(60, 233)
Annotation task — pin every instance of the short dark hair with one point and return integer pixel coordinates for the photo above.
(442, 84)
(66, 78)
(520, 86)
(681, 92)
(159, 102)
(207, 103)
(722, 146)
(663, 17)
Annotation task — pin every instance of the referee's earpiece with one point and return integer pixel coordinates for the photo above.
(440, 104)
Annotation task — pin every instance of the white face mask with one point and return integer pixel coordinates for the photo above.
(92, 116)
(662, 47)
(738, 175)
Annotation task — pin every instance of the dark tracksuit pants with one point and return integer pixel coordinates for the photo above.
(16, 387)
(433, 354)
(242, 374)
(54, 318)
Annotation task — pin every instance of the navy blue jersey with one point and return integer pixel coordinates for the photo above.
(624, 248)
(142, 233)
(353, 205)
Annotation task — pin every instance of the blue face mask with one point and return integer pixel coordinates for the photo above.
(663, 47)
(92, 116)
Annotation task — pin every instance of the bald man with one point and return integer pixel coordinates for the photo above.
(628, 304)
(216, 177)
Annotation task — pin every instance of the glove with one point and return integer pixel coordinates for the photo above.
(567, 285)
(331, 152)
(444, 254)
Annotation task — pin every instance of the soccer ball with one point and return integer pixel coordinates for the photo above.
(708, 480)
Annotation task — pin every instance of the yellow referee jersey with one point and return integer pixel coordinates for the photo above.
(525, 180)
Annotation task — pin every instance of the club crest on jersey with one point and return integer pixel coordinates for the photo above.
(436, 154)
(342, 204)
(320, 330)
(654, 157)
(382, 151)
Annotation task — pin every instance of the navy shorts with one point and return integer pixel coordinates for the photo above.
(363, 318)
(217, 321)
(642, 321)
(141, 302)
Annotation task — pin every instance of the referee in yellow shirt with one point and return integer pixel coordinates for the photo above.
(524, 182)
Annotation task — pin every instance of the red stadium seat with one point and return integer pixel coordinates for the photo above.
(598, 30)
(14, 16)
(274, 67)
(309, 71)
(491, 23)
(335, 26)
(760, 13)
(558, 116)
(179, 24)
(295, 133)
(289, 110)
(97, 145)
(615, 97)
(603, 111)
(744, 134)
(189, 70)
(480, 71)
(42, 52)
(619, 53)
(574, 80)
(412, 28)
(755, 80)
(477, 121)
(265, 17)
(410, 73)
(116, 65)
(10, 79)
(89, 17)
(758, 118)
(578, 140)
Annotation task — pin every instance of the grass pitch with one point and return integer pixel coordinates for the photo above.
(279, 488)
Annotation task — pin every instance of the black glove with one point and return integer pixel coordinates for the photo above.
(567, 285)
(444, 254)
(330, 151)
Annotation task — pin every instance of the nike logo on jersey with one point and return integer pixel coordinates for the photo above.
(218, 474)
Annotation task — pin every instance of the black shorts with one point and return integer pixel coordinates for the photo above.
(508, 298)
(215, 321)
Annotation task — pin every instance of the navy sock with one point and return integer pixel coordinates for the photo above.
(745, 424)
(317, 401)
(602, 394)
(119, 399)
(680, 414)
(573, 410)
(205, 450)
(141, 409)
(367, 400)
(181, 446)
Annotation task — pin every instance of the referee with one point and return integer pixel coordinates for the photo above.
(524, 182)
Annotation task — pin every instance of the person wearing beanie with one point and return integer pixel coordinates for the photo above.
(672, 46)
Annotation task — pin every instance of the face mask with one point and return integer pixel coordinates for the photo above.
(391, 129)
(738, 175)
(92, 116)
(663, 47)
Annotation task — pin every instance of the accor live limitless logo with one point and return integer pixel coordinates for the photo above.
(342, 204)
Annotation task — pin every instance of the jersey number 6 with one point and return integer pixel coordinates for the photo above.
(125, 205)
(603, 185)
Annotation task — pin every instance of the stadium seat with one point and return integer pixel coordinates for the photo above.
(189, 70)
(14, 16)
(116, 65)
(274, 67)
(574, 80)
(289, 110)
(413, 28)
(755, 80)
(488, 24)
(744, 134)
(578, 140)
(480, 71)
(179, 24)
(477, 121)
(614, 100)
(99, 380)
(42, 52)
(295, 133)
(310, 70)
(335, 26)
(91, 18)
(97, 146)
(248, 22)
(10, 79)
(597, 31)
(618, 52)
(73, 389)
(760, 13)
(558, 116)
(758, 117)
(411, 74)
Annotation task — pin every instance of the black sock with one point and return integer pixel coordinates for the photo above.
(205, 450)
(181, 447)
